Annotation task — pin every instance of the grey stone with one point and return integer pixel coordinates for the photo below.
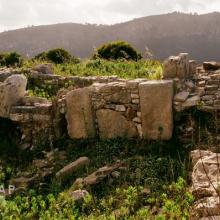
(46, 68)
(156, 109)
(120, 108)
(72, 167)
(113, 124)
(79, 114)
(211, 65)
(193, 101)
(12, 90)
(181, 97)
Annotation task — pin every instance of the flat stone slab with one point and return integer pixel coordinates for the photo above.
(181, 97)
(79, 115)
(156, 109)
(69, 169)
(193, 101)
(211, 65)
(113, 124)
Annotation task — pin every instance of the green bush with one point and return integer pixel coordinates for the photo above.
(41, 56)
(2, 59)
(11, 59)
(123, 203)
(57, 56)
(117, 50)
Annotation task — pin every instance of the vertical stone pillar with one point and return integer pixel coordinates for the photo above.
(80, 118)
(156, 109)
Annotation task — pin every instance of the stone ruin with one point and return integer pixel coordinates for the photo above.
(109, 107)
(105, 107)
(92, 107)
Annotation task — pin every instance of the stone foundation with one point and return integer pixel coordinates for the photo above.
(109, 107)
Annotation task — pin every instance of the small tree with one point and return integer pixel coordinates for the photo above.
(12, 59)
(117, 50)
(2, 59)
(59, 55)
(41, 56)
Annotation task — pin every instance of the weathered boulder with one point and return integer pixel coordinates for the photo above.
(24, 182)
(205, 176)
(78, 195)
(170, 67)
(156, 109)
(12, 90)
(32, 100)
(79, 115)
(181, 97)
(208, 207)
(211, 65)
(192, 67)
(69, 169)
(176, 66)
(183, 65)
(191, 102)
(97, 176)
(213, 217)
(205, 183)
(46, 68)
(114, 92)
(113, 124)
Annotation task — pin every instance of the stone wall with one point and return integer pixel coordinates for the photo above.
(202, 91)
(124, 108)
(132, 109)
(109, 107)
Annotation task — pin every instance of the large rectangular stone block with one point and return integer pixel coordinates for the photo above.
(12, 90)
(79, 115)
(113, 124)
(156, 109)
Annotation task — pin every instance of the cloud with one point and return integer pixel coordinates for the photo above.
(20, 13)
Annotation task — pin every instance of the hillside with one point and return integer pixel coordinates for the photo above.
(166, 34)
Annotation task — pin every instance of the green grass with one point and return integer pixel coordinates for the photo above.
(151, 165)
(122, 69)
(155, 166)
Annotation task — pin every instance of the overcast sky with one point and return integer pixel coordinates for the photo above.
(22, 13)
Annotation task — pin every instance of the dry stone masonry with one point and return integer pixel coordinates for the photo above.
(109, 107)
(205, 179)
(132, 109)
(156, 109)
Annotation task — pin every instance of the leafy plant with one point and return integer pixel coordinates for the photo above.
(12, 59)
(58, 56)
(117, 50)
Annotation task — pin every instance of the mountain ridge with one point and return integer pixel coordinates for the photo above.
(164, 34)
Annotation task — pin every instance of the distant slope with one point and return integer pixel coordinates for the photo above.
(163, 34)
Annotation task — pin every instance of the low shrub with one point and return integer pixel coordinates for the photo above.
(12, 59)
(57, 56)
(117, 50)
